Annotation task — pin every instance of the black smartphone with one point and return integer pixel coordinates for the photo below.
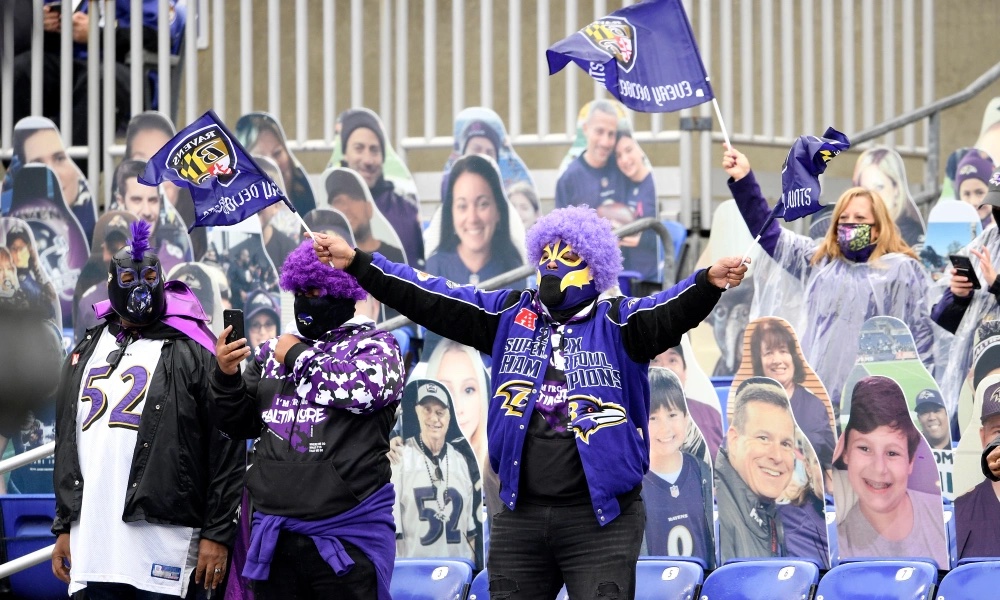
(55, 7)
(963, 265)
(234, 317)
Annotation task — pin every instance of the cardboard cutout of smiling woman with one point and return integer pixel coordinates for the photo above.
(885, 483)
(771, 349)
(435, 475)
(677, 489)
(769, 485)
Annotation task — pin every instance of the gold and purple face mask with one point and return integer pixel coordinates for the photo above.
(564, 278)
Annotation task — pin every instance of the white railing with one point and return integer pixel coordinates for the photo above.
(800, 66)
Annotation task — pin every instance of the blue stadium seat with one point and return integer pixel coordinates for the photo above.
(949, 530)
(762, 580)
(876, 579)
(831, 532)
(972, 581)
(667, 578)
(678, 235)
(626, 279)
(26, 522)
(480, 588)
(430, 579)
(723, 394)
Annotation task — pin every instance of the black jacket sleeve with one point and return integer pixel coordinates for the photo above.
(226, 464)
(654, 324)
(232, 402)
(462, 313)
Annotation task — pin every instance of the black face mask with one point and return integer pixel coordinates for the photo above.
(316, 316)
(549, 292)
(142, 300)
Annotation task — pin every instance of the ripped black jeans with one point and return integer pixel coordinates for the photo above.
(535, 549)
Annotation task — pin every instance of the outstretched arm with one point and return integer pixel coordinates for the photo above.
(458, 312)
(653, 324)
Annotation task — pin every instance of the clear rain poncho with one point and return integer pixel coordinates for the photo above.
(983, 306)
(827, 303)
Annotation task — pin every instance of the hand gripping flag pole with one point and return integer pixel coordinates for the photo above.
(807, 159)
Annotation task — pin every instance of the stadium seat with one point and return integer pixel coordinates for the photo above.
(678, 235)
(762, 580)
(873, 579)
(26, 522)
(723, 394)
(831, 532)
(949, 530)
(626, 279)
(667, 578)
(971, 581)
(480, 588)
(430, 579)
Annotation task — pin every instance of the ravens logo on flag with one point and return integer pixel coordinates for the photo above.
(206, 153)
(616, 36)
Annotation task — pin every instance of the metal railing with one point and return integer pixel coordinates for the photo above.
(760, 53)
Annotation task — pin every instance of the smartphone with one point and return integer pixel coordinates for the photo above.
(234, 317)
(55, 7)
(963, 265)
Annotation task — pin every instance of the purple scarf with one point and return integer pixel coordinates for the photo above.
(184, 313)
(369, 526)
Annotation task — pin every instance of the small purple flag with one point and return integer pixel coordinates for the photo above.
(645, 54)
(226, 184)
(806, 160)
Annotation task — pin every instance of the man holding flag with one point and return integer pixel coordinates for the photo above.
(861, 268)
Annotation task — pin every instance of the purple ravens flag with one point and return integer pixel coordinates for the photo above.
(226, 184)
(644, 54)
(806, 161)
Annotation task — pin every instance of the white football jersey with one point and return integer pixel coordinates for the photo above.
(155, 558)
(429, 525)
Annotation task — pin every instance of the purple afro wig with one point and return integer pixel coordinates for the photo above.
(590, 235)
(302, 271)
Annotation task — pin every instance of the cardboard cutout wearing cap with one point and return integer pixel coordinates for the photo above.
(436, 479)
(60, 241)
(977, 511)
(111, 234)
(372, 231)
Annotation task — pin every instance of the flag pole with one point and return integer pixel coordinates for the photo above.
(756, 240)
(722, 124)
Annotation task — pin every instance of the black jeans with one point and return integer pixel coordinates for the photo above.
(122, 591)
(299, 572)
(535, 549)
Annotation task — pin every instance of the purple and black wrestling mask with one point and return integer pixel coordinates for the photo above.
(135, 280)
(564, 279)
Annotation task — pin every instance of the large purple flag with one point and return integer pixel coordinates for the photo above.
(806, 161)
(645, 54)
(226, 184)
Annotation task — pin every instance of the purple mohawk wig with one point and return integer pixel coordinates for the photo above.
(140, 239)
(302, 271)
(590, 235)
